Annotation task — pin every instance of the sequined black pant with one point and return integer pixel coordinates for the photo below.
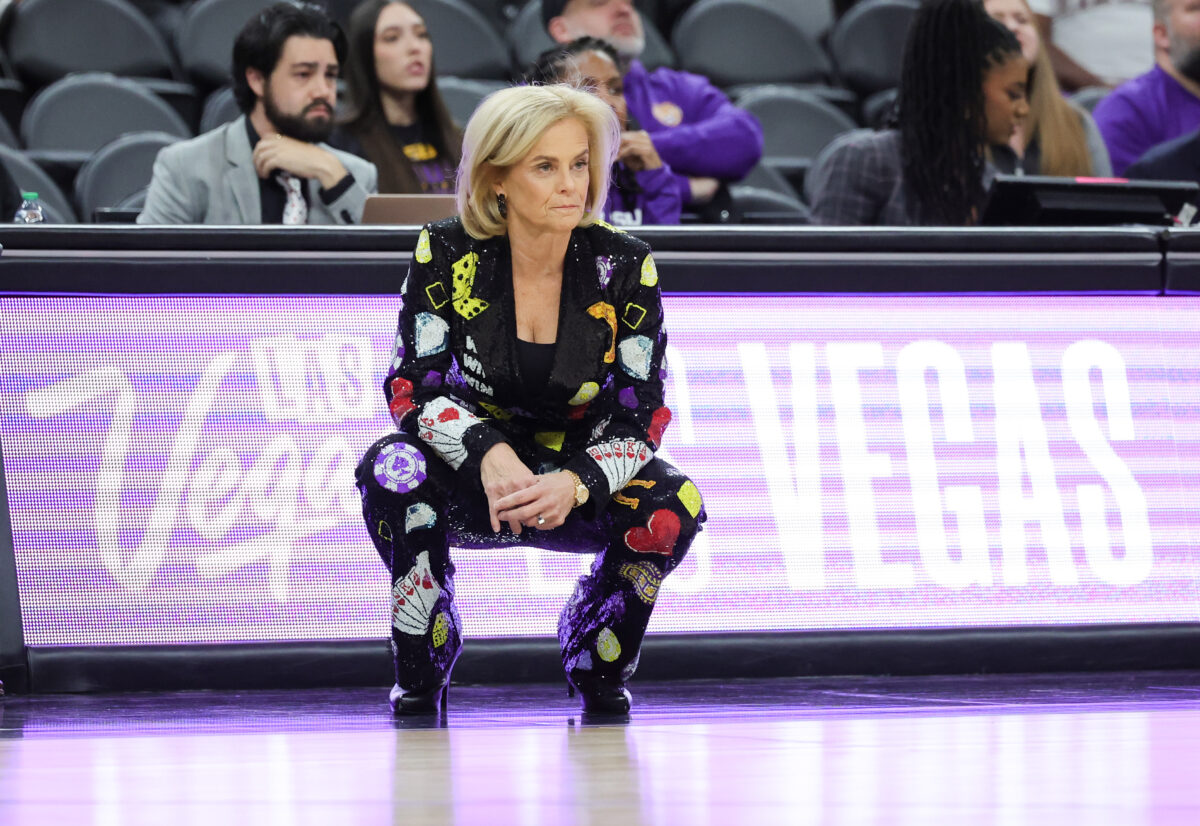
(416, 507)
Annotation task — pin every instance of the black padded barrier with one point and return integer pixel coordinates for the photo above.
(372, 260)
(1182, 261)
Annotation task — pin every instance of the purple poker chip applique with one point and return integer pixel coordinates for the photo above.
(400, 467)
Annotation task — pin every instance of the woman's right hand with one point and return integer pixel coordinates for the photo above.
(502, 472)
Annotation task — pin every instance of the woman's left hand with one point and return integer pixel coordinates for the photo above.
(551, 497)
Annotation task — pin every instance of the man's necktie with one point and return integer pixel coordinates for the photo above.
(295, 211)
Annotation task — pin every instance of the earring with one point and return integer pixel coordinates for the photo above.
(503, 204)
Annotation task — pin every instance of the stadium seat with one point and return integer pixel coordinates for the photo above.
(83, 112)
(878, 108)
(763, 206)
(464, 43)
(52, 38)
(796, 125)
(118, 170)
(219, 109)
(867, 44)
(7, 137)
(814, 16)
(739, 41)
(206, 35)
(462, 95)
(528, 39)
(1090, 96)
(766, 177)
(29, 177)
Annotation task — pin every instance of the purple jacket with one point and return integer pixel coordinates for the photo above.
(695, 128)
(659, 200)
(1144, 112)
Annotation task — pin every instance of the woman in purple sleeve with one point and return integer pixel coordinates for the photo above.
(527, 388)
(642, 188)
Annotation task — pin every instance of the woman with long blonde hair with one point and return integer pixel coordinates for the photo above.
(1058, 137)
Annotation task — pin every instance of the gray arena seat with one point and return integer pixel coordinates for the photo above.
(796, 124)
(7, 137)
(52, 38)
(464, 43)
(206, 35)
(878, 108)
(867, 44)
(219, 109)
(738, 41)
(766, 177)
(117, 170)
(528, 39)
(462, 95)
(81, 113)
(763, 206)
(814, 16)
(1090, 96)
(28, 177)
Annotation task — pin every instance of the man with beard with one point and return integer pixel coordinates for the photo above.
(1164, 103)
(695, 129)
(269, 166)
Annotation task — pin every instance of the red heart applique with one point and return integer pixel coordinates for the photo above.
(448, 415)
(658, 423)
(427, 583)
(658, 538)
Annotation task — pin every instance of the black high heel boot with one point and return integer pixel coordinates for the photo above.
(599, 697)
(432, 701)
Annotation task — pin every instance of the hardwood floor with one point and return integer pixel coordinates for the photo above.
(1017, 749)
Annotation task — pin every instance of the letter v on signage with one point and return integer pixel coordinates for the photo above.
(795, 499)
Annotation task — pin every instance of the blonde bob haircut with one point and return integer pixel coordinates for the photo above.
(505, 128)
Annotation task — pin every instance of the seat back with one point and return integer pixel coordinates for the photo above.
(206, 35)
(29, 177)
(462, 96)
(814, 16)
(464, 43)
(1089, 96)
(765, 206)
(528, 39)
(738, 41)
(52, 38)
(7, 137)
(84, 112)
(219, 109)
(867, 44)
(118, 170)
(796, 123)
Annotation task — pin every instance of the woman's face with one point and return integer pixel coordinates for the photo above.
(1004, 102)
(1017, 17)
(547, 189)
(600, 75)
(403, 50)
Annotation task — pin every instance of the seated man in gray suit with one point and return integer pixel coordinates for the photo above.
(269, 166)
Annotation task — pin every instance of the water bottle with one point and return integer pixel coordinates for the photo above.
(31, 211)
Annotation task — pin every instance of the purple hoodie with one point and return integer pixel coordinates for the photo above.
(657, 203)
(695, 128)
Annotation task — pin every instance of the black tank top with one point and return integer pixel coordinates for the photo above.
(535, 363)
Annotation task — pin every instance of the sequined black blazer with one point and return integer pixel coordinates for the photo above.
(455, 380)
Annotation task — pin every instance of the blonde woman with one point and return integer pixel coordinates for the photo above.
(527, 388)
(1058, 137)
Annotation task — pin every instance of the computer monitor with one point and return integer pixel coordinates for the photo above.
(1038, 200)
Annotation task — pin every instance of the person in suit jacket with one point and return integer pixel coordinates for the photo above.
(527, 387)
(270, 165)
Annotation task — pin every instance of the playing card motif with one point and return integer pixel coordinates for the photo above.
(442, 427)
(413, 598)
(620, 460)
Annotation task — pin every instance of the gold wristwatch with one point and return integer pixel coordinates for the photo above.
(581, 491)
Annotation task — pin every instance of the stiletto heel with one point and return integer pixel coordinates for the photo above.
(432, 701)
(599, 697)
